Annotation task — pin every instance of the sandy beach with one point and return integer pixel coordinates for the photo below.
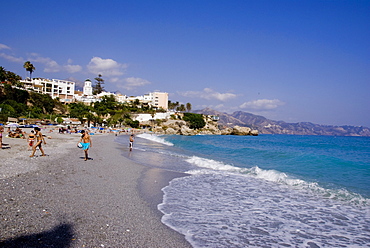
(63, 201)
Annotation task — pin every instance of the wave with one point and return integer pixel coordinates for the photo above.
(213, 166)
(154, 138)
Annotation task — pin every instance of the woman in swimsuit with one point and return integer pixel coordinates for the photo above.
(39, 139)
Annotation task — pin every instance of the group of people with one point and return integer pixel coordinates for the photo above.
(85, 143)
(36, 139)
(17, 133)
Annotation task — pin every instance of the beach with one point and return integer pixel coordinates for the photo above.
(60, 200)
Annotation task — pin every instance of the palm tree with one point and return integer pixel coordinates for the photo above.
(29, 67)
(188, 106)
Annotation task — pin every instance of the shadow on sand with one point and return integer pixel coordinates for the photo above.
(87, 159)
(60, 236)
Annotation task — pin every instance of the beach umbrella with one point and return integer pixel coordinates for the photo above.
(12, 125)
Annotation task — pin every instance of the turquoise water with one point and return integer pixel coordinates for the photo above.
(268, 190)
(339, 162)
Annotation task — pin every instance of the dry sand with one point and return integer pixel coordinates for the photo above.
(63, 201)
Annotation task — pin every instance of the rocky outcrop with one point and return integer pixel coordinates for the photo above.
(237, 130)
(185, 130)
(181, 127)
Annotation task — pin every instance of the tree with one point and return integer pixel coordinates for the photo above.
(188, 106)
(2, 74)
(98, 87)
(8, 76)
(29, 67)
(172, 105)
(181, 108)
(196, 120)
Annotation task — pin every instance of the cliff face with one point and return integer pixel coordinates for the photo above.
(266, 126)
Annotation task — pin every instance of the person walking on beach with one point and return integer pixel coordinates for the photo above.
(1, 137)
(131, 142)
(39, 139)
(86, 143)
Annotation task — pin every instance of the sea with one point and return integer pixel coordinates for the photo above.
(263, 191)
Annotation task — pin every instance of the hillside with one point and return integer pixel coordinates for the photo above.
(266, 126)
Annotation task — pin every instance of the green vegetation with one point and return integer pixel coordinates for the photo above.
(9, 77)
(196, 121)
(18, 103)
(21, 103)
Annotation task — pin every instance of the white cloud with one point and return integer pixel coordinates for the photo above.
(262, 104)
(2, 46)
(12, 58)
(106, 67)
(50, 65)
(209, 94)
(73, 68)
(133, 82)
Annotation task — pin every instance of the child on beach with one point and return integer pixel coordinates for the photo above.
(31, 139)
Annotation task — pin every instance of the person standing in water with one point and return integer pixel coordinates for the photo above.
(131, 142)
(86, 143)
(39, 139)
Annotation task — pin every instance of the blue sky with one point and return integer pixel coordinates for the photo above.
(286, 60)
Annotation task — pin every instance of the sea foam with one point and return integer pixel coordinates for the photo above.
(154, 138)
(210, 166)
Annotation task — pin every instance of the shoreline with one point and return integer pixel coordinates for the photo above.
(62, 200)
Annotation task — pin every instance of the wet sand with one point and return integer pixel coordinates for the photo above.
(63, 201)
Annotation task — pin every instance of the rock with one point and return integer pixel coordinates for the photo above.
(185, 130)
(158, 130)
(254, 132)
(237, 130)
(170, 130)
(226, 131)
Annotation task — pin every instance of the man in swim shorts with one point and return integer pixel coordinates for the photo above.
(86, 143)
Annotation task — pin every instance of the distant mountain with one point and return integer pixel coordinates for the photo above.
(266, 126)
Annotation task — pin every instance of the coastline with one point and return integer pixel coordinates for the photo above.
(64, 201)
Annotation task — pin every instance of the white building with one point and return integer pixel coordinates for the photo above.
(149, 117)
(86, 96)
(88, 90)
(62, 89)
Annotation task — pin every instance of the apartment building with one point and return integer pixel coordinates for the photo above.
(62, 89)
(154, 99)
(160, 100)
